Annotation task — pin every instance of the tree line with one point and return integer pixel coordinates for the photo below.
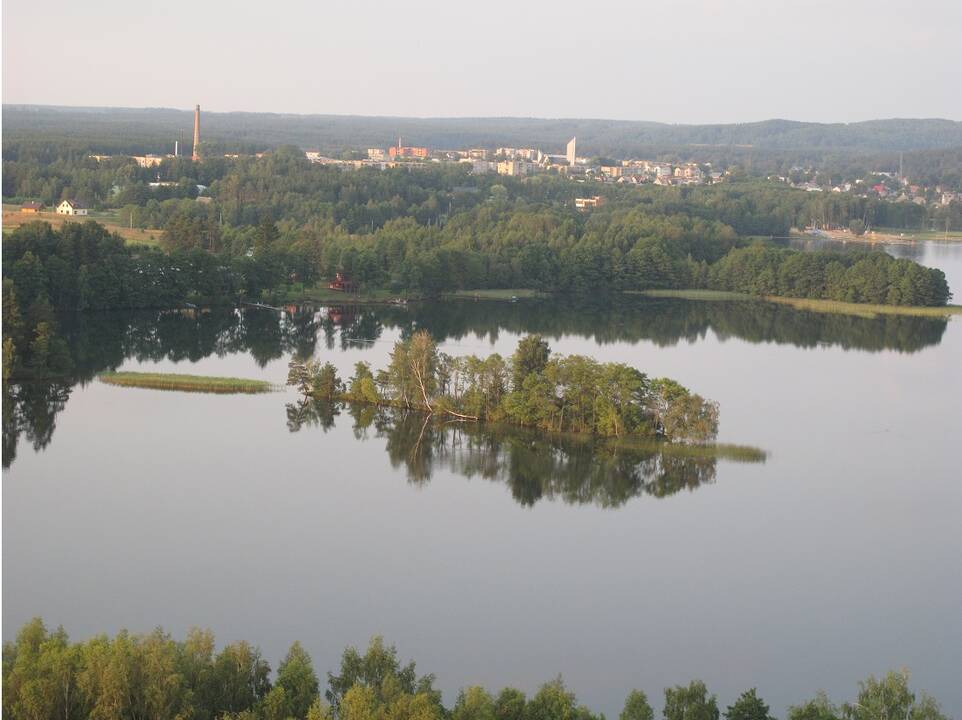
(280, 221)
(158, 127)
(82, 266)
(860, 277)
(532, 389)
(136, 677)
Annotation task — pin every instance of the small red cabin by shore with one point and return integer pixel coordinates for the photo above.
(343, 283)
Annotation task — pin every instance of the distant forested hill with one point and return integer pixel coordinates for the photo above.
(126, 130)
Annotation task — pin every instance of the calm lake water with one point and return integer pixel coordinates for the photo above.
(500, 558)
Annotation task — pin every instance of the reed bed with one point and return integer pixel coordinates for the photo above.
(709, 295)
(186, 383)
(867, 310)
(717, 451)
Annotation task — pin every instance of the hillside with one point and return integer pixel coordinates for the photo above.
(156, 129)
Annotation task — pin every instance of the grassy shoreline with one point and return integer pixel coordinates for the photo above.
(823, 306)
(323, 294)
(906, 236)
(866, 309)
(706, 295)
(185, 383)
(496, 294)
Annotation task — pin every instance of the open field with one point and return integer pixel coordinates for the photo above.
(823, 306)
(185, 383)
(922, 235)
(12, 218)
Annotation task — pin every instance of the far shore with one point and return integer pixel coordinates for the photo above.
(379, 296)
(324, 295)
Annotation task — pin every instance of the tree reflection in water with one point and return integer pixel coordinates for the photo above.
(30, 409)
(535, 466)
(99, 342)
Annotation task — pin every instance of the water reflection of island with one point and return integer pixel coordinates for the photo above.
(98, 342)
(535, 466)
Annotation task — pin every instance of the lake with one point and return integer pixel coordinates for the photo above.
(492, 556)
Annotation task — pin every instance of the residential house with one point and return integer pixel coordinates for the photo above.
(71, 207)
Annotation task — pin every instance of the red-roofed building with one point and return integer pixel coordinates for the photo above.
(343, 283)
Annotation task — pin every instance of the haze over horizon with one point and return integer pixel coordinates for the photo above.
(689, 62)
(389, 116)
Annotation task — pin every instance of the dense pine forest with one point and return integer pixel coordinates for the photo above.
(279, 220)
(277, 225)
(133, 677)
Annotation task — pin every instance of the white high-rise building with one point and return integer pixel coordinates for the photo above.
(570, 152)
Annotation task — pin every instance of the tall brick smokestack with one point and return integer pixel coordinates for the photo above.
(196, 156)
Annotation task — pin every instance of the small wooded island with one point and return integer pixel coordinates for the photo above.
(572, 393)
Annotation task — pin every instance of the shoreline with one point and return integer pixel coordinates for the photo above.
(335, 298)
(643, 443)
(883, 236)
(837, 307)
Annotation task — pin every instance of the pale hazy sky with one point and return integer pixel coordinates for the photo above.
(689, 61)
